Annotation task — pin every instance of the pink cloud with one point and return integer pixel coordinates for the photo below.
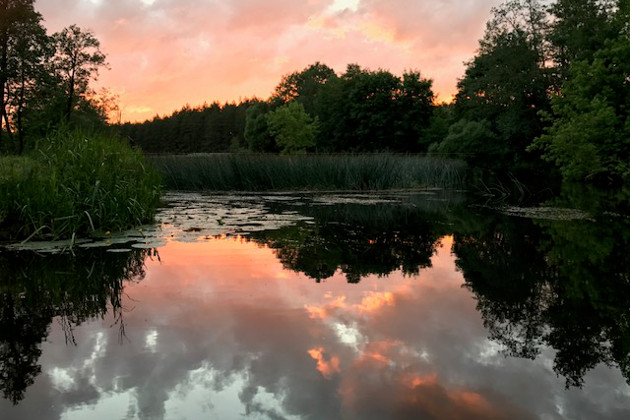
(168, 53)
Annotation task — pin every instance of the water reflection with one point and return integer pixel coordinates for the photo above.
(359, 240)
(558, 283)
(35, 289)
(243, 325)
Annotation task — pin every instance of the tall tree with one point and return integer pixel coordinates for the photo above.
(77, 61)
(589, 138)
(18, 22)
(505, 86)
(293, 128)
(303, 86)
(30, 52)
(579, 29)
(370, 111)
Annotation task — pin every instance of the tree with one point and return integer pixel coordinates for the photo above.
(21, 35)
(473, 141)
(76, 62)
(590, 134)
(368, 111)
(303, 86)
(579, 29)
(293, 128)
(506, 84)
(257, 133)
(31, 50)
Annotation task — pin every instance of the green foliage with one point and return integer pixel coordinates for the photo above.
(74, 185)
(225, 172)
(293, 128)
(437, 130)
(368, 111)
(257, 134)
(303, 86)
(579, 29)
(192, 130)
(506, 87)
(473, 141)
(590, 133)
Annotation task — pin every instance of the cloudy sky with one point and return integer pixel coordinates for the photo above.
(166, 53)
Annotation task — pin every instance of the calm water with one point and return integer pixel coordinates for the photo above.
(294, 306)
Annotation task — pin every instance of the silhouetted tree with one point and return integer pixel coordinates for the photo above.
(23, 44)
(76, 62)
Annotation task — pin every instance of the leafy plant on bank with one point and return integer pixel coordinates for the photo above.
(72, 184)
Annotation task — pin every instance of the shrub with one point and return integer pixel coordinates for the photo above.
(72, 184)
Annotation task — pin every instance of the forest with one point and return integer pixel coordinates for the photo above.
(548, 90)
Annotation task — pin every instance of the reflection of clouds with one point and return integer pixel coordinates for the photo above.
(224, 337)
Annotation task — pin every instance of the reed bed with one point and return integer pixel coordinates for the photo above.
(248, 172)
(72, 185)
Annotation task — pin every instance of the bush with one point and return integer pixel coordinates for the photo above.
(74, 185)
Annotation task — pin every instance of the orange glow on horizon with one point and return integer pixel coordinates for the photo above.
(164, 55)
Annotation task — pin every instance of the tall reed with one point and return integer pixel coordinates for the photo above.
(245, 172)
(73, 184)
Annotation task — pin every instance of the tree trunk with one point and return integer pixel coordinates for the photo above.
(70, 100)
(20, 111)
(4, 45)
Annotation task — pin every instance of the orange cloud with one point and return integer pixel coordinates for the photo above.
(326, 368)
(167, 53)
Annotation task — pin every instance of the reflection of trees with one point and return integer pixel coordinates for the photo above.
(34, 289)
(565, 284)
(359, 240)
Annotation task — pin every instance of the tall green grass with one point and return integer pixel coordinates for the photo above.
(242, 172)
(72, 184)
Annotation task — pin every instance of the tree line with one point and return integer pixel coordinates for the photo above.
(548, 87)
(313, 110)
(45, 79)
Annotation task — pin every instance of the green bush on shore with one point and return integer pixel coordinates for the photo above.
(73, 184)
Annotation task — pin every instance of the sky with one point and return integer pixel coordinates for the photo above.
(164, 54)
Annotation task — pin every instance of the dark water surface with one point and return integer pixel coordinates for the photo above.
(336, 306)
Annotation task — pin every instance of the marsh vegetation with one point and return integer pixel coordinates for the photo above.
(72, 184)
(264, 172)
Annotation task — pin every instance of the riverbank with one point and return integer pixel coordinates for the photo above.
(72, 184)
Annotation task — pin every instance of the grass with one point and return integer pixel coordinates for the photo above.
(74, 185)
(243, 172)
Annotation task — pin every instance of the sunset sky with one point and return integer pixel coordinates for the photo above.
(164, 54)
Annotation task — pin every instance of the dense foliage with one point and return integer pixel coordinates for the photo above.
(209, 128)
(551, 83)
(310, 110)
(44, 80)
(74, 185)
